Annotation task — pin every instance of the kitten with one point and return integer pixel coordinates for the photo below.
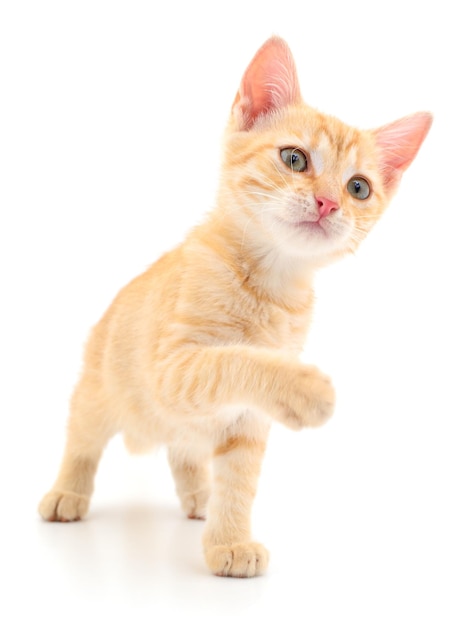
(200, 352)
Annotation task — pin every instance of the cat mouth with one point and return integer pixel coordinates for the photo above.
(312, 226)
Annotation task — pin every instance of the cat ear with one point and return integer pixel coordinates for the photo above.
(399, 143)
(269, 83)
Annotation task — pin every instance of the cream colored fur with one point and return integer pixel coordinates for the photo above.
(200, 353)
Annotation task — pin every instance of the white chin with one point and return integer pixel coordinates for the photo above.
(311, 242)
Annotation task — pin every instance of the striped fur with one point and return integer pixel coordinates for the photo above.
(200, 352)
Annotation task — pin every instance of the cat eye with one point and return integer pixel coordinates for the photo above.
(294, 158)
(359, 188)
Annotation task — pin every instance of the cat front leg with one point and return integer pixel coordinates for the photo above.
(227, 541)
(200, 380)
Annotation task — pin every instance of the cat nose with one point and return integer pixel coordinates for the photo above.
(325, 206)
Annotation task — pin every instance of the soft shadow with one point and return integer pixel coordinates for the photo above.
(147, 555)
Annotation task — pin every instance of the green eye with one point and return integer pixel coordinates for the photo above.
(359, 188)
(294, 158)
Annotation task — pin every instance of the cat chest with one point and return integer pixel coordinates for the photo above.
(279, 329)
(270, 328)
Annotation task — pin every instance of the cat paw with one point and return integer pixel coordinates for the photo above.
(63, 506)
(194, 504)
(239, 560)
(309, 400)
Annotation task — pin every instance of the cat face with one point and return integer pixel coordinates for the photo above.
(308, 182)
(303, 181)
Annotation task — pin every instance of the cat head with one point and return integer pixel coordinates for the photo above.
(302, 180)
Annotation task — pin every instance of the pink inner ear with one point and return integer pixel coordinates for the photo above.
(269, 83)
(399, 143)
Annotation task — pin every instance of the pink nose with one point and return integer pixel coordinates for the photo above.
(325, 206)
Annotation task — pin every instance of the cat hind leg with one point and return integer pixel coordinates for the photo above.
(192, 480)
(88, 433)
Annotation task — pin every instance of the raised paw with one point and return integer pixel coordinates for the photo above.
(240, 560)
(309, 399)
(63, 506)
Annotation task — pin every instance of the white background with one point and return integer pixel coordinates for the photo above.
(111, 115)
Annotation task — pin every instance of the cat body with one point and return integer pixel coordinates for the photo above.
(200, 352)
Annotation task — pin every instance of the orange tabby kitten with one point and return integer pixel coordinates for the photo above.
(200, 352)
